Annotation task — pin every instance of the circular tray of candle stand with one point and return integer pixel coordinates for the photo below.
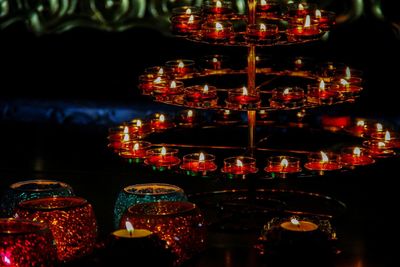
(244, 209)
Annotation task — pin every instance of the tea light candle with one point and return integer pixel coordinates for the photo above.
(227, 117)
(199, 163)
(167, 91)
(198, 93)
(321, 94)
(214, 62)
(135, 149)
(389, 138)
(347, 89)
(321, 162)
(147, 82)
(283, 165)
(118, 136)
(239, 166)
(162, 157)
(242, 99)
(181, 67)
(131, 233)
(266, 6)
(324, 19)
(360, 128)
(186, 10)
(261, 33)
(351, 76)
(287, 97)
(186, 24)
(217, 31)
(299, 226)
(139, 128)
(379, 149)
(187, 117)
(218, 8)
(355, 156)
(303, 32)
(300, 10)
(160, 123)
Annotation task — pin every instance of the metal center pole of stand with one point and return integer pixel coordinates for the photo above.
(251, 79)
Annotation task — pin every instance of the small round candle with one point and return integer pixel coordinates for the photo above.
(187, 118)
(214, 62)
(138, 127)
(217, 8)
(130, 232)
(167, 91)
(386, 136)
(351, 76)
(181, 67)
(186, 24)
(186, 10)
(161, 123)
(147, 82)
(118, 136)
(227, 117)
(283, 165)
(299, 10)
(262, 33)
(355, 156)
(347, 89)
(239, 165)
(321, 94)
(242, 99)
(322, 162)
(135, 149)
(217, 31)
(201, 96)
(287, 97)
(267, 9)
(303, 32)
(199, 163)
(379, 149)
(324, 19)
(162, 157)
(299, 226)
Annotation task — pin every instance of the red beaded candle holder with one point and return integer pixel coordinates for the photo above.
(355, 156)
(262, 33)
(321, 94)
(181, 67)
(186, 24)
(24, 243)
(167, 92)
(201, 96)
(239, 167)
(322, 162)
(71, 221)
(287, 97)
(135, 150)
(178, 223)
(162, 158)
(283, 166)
(217, 31)
(242, 99)
(198, 164)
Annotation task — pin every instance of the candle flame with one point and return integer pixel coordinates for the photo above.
(318, 14)
(239, 163)
(295, 221)
(126, 138)
(361, 123)
(163, 151)
(245, 92)
(218, 27)
(161, 71)
(348, 73)
(263, 2)
(172, 85)
(201, 157)
(190, 113)
(307, 22)
(158, 80)
(138, 123)
(181, 64)
(284, 163)
(188, 11)
(286, 91)
(205, 89)
(161, 118)
(344, 83)
(191, 19)
(126, 129)
(324, 157)
(379, 127)
(298, 62)
(129, 227)
(263, 28)
(218, 4)
(215, 60)
(357, 151)
(301, 7)
(387, 136)
(322, 85)
(136, 147)
(227, 112)
(381, 144)
(6, 260)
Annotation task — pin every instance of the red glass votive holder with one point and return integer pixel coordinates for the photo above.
(25, 243)
(217, 31)
(71, 221)
(241, 98)
(322, 162)
(181, 67)
(186, 24)
(161, 122)
(117, 136)
(162, 158)
(217, 8)
(378, 148)
(327, 71)
(262, 33)
(215, 63)
(303, 32)
(201, 96)
(167, 92)
(267, 9)
(147, 82)
(227, 117)
(322, 94)
(135, 150)
(198, 164)
(239, 167)
(352, 76)
(283, 166)
(139, 128)
(160, 71)
(388, 137)
(179, 224)
(186, 10)
(346, 89)
(187, 118)
(287, 97)
(324, 19)
(355, 156)
(299, 10)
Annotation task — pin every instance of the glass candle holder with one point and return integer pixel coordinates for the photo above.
(322, 162)
(198, 164)
(181, 67)
(346, 89)
(187, 118)
(351, 76)
(167, 92)
(390, 138)
(186, 10)
(160, 122)
(215, 63)
(31, 189)
(303, 32)
(300, 10)
(287, 97)
(239, 166)
(70, 219)
(379, 149)
(135, 150)
(147, 82)
(162, 158)
(242, 99)
(25, 243)
(262, 33)
(217, 31)
(283, 166)
(356, 156)
(144, 193)
(118, 135)
(201, 96)
(322, 94)
(179, 224)
(186, 24)
(268, 9)
(217, 8)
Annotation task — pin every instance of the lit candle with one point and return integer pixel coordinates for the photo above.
(160, 123)
(281, 166)
(134, 149)
(267, 9)
(242, 99)
(287, 97)
(355, 156)
(181, 67)
(199, 163)
(351, 76)
(162, 157)
(218, 8)
(296, 225)
(130, 232)
(186, 10)
(303, 32)
(227, 117)
(324, 18)
(391, 139)
(321, 162)
(167, 91)
(214, 63)
(347, 89)
(321, 94)
(239, 166)
(218, 31)
(185, 24)
(262, 33)
(139, 128)
(147, 82)
(379, 149)
(118, 136)
(201, 95)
